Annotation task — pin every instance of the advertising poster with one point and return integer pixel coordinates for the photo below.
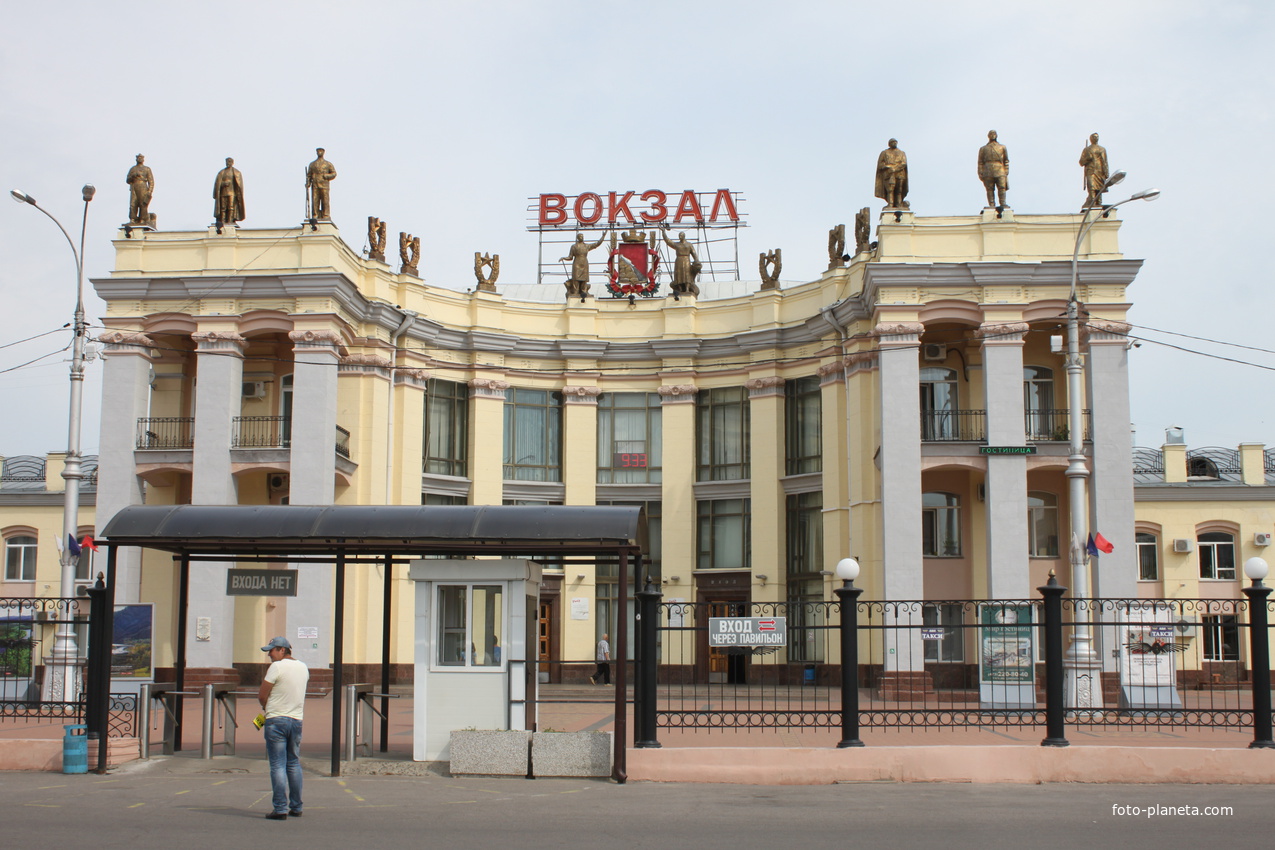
(132, 641)
(1005, 644)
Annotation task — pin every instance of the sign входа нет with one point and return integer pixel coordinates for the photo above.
(261, 582)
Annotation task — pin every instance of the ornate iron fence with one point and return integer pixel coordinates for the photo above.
(166, 432)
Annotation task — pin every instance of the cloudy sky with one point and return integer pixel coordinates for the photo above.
(443, 118)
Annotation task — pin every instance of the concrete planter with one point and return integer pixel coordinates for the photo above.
(571, 753)
(489, 753)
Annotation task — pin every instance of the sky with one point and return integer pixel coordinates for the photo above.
(444, 118)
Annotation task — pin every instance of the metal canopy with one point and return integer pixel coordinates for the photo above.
(355, 530)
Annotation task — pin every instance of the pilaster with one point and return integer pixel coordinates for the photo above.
(677, 493)
(1111, 502)
(1006, 511)
(579, 444)
(486, 448)
(768, 505)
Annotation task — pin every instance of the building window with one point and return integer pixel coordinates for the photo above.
(938, 403)
(470, 625)
(533, 435)
(1038, 405)
(1221, 637)
(940, 525)
(629, 438)
(806, 611)
(1217, 555)
(446, 428)
(19, 558)
(803, 419)
(1148, 556)
(1042, 525)
(950, 617)
(724, 530)
(722, 425)
(285, 408)
(442, 499)
(84, 563)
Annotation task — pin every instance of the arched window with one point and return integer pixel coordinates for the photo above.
(1038, 404)
(1148, 556)
(1042, 525)
(19, 558)
(940, 525)
(1217, 555)
(938, 403)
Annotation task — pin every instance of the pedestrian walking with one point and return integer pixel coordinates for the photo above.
(282, 698)
(603, 658)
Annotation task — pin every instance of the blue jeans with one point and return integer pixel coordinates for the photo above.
(283, 748)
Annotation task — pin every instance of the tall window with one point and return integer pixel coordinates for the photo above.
(1217, 555)
(470, 625)
(1148, 556)
(629, 440)
(19, 558)
(446, 428)
(1038, 404)
(803, 415)
(1042, 525)
(722, 425)
(1221, 637)
(533, 435)
(950, 617)
(940, 525)
(805, 586)
(724, 527)
(285, 407)
(938, 403)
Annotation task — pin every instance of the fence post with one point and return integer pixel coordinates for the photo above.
(648, 666)
(1055, 716)
(848, 597)
(1259, 644)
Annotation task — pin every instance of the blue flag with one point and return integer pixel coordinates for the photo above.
(1091, 548)
(73, 545)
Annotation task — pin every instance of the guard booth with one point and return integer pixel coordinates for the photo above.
(475, 633)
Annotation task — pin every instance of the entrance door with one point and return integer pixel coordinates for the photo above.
(726, 666)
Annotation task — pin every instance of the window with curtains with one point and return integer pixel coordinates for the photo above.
(1148, 556)
(804, 584)
(722, 434)
(803, 419)
(724, 531)
(938, 403)
(446, 428)
(1038, 404)
(940, 525)
(1042, 525)
(629, 439)
(533, 435)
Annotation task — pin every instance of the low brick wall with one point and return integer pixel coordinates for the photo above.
(45, 754)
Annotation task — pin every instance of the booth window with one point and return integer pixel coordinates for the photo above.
(471, 620)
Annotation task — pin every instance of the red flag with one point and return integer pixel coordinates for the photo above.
(1103, 544)
(88, 543)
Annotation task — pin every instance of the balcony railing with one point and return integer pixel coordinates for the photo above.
(1053, 425)
(260, 432)
(343, 442)
(953, 426)
(166, 432)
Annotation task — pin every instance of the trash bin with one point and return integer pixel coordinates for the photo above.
(808, 675)
(75, 750)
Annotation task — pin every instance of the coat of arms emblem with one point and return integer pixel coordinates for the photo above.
(632, 264)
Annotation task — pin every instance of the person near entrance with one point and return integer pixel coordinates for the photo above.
(603, 657)
(282, 698)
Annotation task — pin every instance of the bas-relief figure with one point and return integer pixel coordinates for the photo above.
(228, 195)
(770, 265)
(141, 186)
(409, 251)
(892, 177)
(486, 283)
(318, 175)
(578, 254)
(686, 264)
(376, 238)
(993, 170)
(836, 246)
(1094, 160)
(862, 231)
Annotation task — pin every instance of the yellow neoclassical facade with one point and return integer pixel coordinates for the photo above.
(768, 432)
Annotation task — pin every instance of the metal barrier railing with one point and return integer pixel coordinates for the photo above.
(166, 694)
(358, 717)
(224, 696)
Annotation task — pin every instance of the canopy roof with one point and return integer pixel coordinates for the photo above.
(378, 530)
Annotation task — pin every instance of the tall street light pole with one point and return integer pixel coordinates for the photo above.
(61, 683)
(1083, 666)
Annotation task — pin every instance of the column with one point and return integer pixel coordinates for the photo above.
(769, 508)
(1111, 495)
(900, 463)
(677, 492)
(126, 391)
(218, 399)
(1007, 543)
(487, 440)
(315, 354)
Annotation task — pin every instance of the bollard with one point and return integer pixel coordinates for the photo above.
(75, 750)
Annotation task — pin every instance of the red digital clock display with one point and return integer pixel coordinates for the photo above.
(628, 460)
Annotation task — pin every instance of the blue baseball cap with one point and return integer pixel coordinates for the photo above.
(279, 642)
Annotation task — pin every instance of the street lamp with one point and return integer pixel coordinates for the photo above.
(60, 683)
(848, 596)
(1081, 656)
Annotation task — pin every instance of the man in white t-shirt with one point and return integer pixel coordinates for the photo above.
(282, 698)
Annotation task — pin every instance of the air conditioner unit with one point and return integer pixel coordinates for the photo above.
(1183, 544)
(1262, 538)
(278, 482)
(254, 389)
(934, 351)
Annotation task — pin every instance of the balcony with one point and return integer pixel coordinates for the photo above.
(1044, 426)
(248, 432)
(261, 432)
(166, 433)
(954, 426)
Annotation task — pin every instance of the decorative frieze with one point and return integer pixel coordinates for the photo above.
(771, 385)
(899, 331)
(831, 373)
(1106, 331)
(581, 395)
(994, 332)
(488, 388)
(678, 393)
(860, 361)
(130, 342)
(315, 339)
(220, 341)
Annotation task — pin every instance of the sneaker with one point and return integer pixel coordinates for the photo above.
(592, 681)
(277, 816)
